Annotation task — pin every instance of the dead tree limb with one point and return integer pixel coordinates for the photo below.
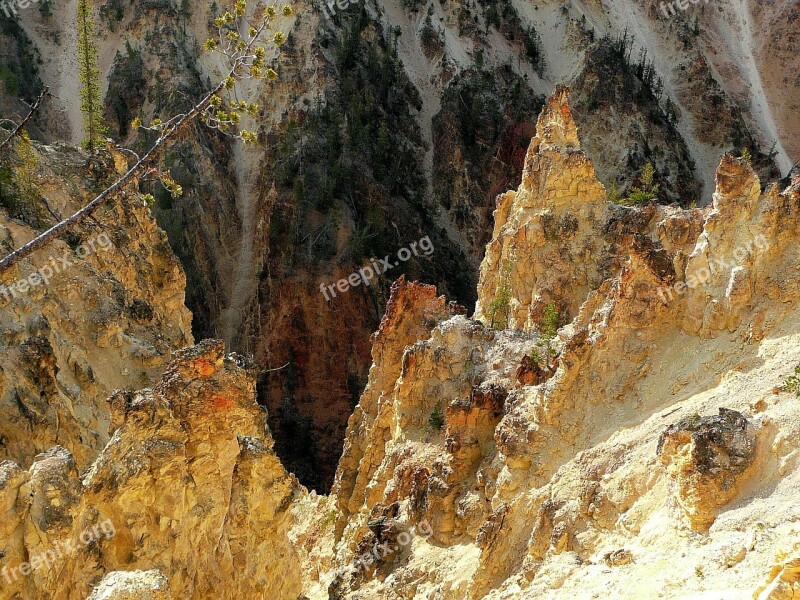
(113, 189)
(18, 129)
(247, 62)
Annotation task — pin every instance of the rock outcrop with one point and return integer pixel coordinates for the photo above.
(187, 490)
(546, 233)
(708, 458)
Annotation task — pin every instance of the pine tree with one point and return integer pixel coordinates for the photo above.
(91, 104)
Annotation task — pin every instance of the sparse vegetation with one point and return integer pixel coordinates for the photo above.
(413, 5)
(792, 383)
(46, 8)
(548, 330)
(693, 420)
(19, 62)
(436, 418)
(353, 139)
(698, 570)
(537, 358)
(618, 78)
(746, 156)
(124, 97)
(499, 307)
(112, 12)
(613, 195)
(533, 50)
(330, 519)
(19, 193)
(646, 191)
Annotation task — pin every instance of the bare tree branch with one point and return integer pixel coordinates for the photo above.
(112, 190)
(18, 128)
(247, 61)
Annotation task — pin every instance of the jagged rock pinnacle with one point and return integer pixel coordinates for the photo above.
(555, 127)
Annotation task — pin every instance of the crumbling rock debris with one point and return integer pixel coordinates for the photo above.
(618, 558)
(134, 585)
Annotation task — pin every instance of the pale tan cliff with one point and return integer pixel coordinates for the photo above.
(619, 474)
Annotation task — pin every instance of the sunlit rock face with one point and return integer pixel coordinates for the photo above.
(547, 233)
(650, 444)
(186, 500)
(100, 310)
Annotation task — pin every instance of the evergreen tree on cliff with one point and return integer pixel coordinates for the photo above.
(91, 103)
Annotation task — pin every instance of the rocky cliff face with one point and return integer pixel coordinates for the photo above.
(649, 448)
(591, 479)
(393, 120)
(99, 311)
(188, 485)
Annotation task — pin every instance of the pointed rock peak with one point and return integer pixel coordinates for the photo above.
(735, 179)
(556, 128)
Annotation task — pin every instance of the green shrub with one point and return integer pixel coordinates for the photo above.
(548, 330)
(436, 418)
(536, 357)
(746, 156)
(499, 307)
(646, 191)
(792, 383)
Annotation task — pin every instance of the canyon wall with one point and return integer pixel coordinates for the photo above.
(648, 447)
(394, 120)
